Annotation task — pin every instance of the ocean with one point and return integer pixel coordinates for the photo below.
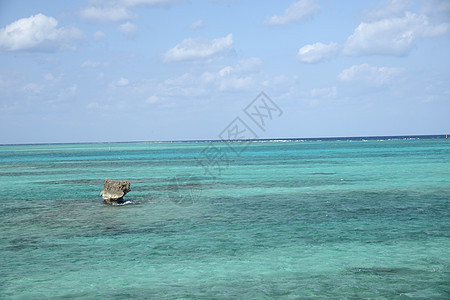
(341, 218)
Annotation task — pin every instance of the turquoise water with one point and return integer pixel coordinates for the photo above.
(287, 220)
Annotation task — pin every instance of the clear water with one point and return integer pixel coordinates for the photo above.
(287, 220)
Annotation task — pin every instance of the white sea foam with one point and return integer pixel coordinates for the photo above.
(124, 203)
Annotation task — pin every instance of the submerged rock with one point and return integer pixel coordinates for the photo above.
(114, 190)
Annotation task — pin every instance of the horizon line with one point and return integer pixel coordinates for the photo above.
(370, 137)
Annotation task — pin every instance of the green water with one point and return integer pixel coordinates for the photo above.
(286, 220)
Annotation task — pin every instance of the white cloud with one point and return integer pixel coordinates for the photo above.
(330, 92)
(199, 49)
(98, 35)
(73, 89)
(370, 74)
(237, 78)
(185, 85)
(152, 99)
(227, 80)
(49, 77)
(65, 93)
(197, 25)
(118, 10)
(120, 83)
(387, 9)
(33, 88)
(388, 29)
(105, 14)
(37, 32)
(252, 64)
(244, 75)
(391, 36)
(132, 3)
(295, 12)
(237, 83)
(437, 9)
(93, 105)
(128, 29)
(94, 64)
(316, 52)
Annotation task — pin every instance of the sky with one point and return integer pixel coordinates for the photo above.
(152, 70)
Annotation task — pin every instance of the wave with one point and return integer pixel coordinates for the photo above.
(128, 202)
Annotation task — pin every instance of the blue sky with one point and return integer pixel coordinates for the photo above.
(140, 70)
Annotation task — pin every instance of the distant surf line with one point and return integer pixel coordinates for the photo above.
(342, 138)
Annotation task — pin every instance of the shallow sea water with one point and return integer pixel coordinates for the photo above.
(341, 219)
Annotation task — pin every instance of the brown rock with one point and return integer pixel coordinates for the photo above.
(114, 190)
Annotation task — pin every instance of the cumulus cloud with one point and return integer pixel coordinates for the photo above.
(237, 78)
(329, 92)
(249, 65)
(38, 33)
(131, 3)
(128, 29)
(199, 49)
(49, 77)
(120, 83)
(94, 64)
(297, 11)
(391, 36)
(387, 9)
(93, 105)
(245, 75)
(197, 25)
(370, 74)
(33, 88)
(65, 93)
(99, 35)
(106, 14)
(186, 85)
(118, 10)
(152, 99)
(437, 9)
(317, 52)
(388, 29)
